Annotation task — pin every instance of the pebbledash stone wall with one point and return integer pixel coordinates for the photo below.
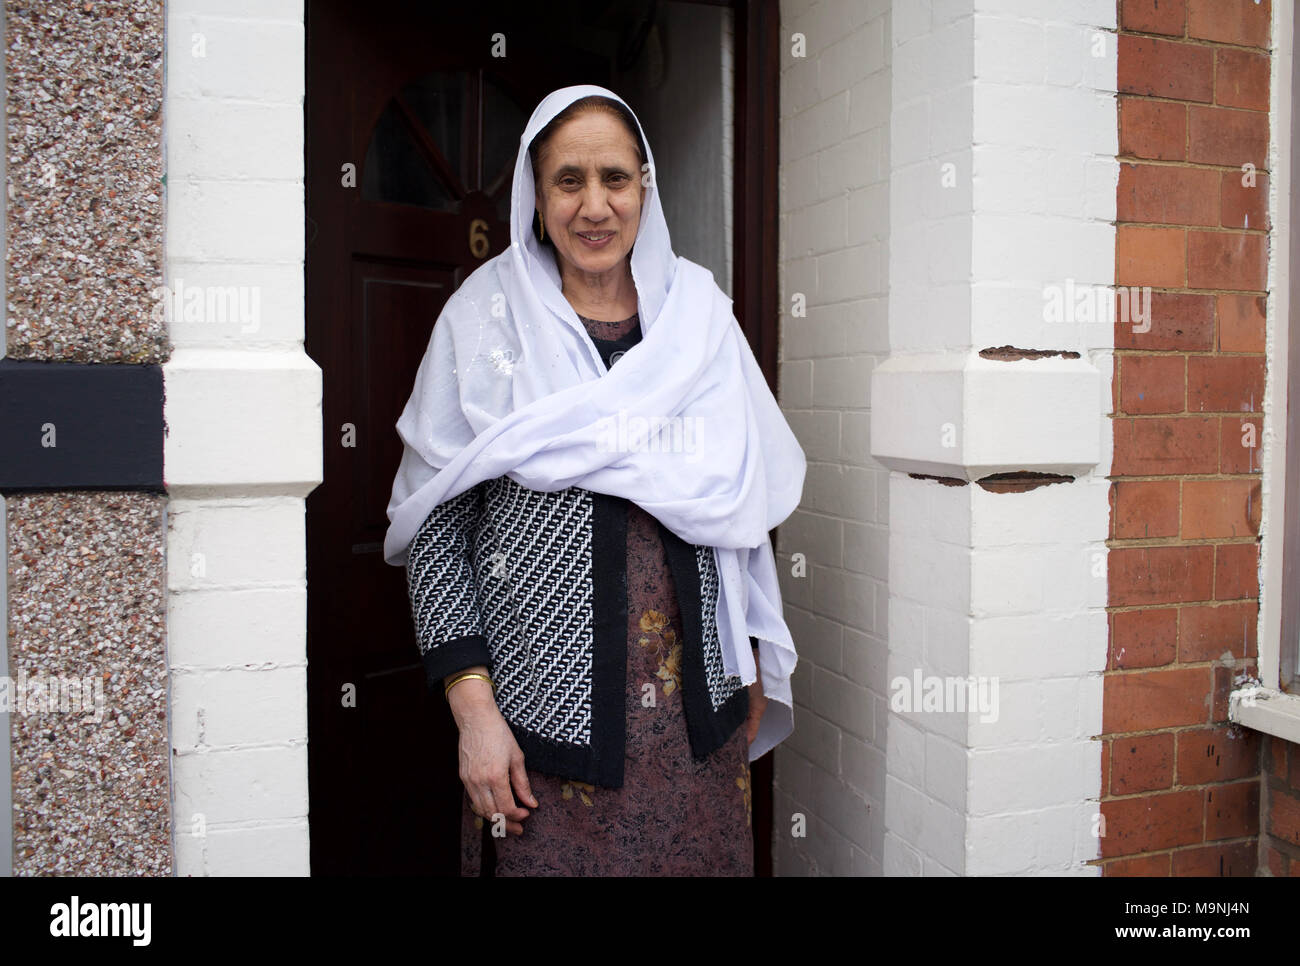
(85, 570)
(1181, 785)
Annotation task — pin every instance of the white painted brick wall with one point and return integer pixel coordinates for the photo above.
(1010, 587)
(834, 224)
(243, 414)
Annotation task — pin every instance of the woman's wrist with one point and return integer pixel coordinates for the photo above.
(471, 696)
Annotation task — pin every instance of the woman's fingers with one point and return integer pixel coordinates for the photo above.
(505, 799)
(497, 817)
(519, 777)
(504, 807)
(480, 798)
(484, 805)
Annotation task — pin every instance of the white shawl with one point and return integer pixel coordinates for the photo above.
(512, 385)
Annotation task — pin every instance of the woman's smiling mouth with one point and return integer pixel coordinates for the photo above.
(595, 239)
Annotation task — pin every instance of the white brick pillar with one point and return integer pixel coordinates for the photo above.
(1002, 192)
(243, 436)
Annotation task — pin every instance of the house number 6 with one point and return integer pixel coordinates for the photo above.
(478, 243)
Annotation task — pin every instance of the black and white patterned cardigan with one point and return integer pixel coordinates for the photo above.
(533, 585)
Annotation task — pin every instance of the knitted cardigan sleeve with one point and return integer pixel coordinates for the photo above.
(443, 588)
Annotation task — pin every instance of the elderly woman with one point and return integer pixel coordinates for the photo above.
(592, 464)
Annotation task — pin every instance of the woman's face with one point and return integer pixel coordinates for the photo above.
(589, 192)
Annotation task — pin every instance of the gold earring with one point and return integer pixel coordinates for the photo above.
(541, 225)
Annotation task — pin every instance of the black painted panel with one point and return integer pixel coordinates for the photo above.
(105, 423)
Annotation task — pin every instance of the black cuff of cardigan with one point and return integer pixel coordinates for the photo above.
(715, 730)
(455, 655)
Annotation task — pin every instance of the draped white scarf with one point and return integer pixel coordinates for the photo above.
(512, 385)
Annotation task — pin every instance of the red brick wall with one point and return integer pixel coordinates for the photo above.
(1181, 787)
(1281, 792)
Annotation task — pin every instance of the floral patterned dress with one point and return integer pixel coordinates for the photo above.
(674, 815)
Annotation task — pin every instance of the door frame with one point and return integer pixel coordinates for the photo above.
(754, 273)
(756, 25)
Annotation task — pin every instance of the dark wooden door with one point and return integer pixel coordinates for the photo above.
(412, 128)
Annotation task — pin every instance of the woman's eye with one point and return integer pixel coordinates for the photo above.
(571, 182)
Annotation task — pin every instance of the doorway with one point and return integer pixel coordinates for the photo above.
(412, 126)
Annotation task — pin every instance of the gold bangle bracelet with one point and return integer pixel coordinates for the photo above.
(466, 677)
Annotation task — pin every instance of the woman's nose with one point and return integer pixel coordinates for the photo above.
(595, 202)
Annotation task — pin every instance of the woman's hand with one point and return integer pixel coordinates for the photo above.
(490, 758)
(757, 702)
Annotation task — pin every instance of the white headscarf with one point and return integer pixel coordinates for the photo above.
(512, 385)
